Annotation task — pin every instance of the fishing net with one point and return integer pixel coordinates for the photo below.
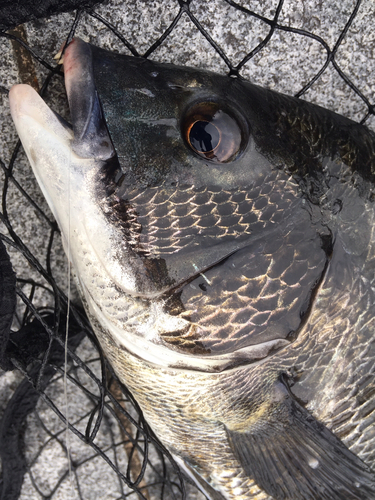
(321, 51)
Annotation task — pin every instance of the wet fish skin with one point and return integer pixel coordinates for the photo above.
(224, 394)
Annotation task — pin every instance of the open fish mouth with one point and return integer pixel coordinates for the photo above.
(192, 254)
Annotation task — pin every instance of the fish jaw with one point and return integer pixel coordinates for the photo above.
(68, 183)
(91, 138)
(46, 141)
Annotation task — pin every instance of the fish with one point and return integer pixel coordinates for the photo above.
(222, 240)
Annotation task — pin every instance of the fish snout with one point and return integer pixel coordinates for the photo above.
(32, 116)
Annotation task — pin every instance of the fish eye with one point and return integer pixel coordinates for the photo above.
(213, 132)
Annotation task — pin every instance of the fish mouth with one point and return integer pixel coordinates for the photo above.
(91, 138)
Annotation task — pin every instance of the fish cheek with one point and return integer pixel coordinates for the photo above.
(151, 155)
(260, 292)
(253, 296)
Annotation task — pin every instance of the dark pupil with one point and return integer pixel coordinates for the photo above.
(204, 136)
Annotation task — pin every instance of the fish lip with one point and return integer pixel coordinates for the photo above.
(91, 137)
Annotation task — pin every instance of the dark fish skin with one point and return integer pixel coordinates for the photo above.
(260, 252)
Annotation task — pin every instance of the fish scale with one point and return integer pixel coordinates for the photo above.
(181, 229)
(241, 287)
(342, 360)
(212, 449)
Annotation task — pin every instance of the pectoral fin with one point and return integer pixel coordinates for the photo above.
(292, 456)
(195, 478)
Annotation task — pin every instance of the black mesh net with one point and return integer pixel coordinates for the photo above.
(321, 52)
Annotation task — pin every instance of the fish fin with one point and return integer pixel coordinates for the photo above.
(195, 478)
(292, 456)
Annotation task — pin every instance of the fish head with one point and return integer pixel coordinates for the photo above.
(176, 194)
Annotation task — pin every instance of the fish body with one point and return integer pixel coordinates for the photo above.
(222, 240)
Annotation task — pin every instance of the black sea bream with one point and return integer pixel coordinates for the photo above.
(222, 238)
